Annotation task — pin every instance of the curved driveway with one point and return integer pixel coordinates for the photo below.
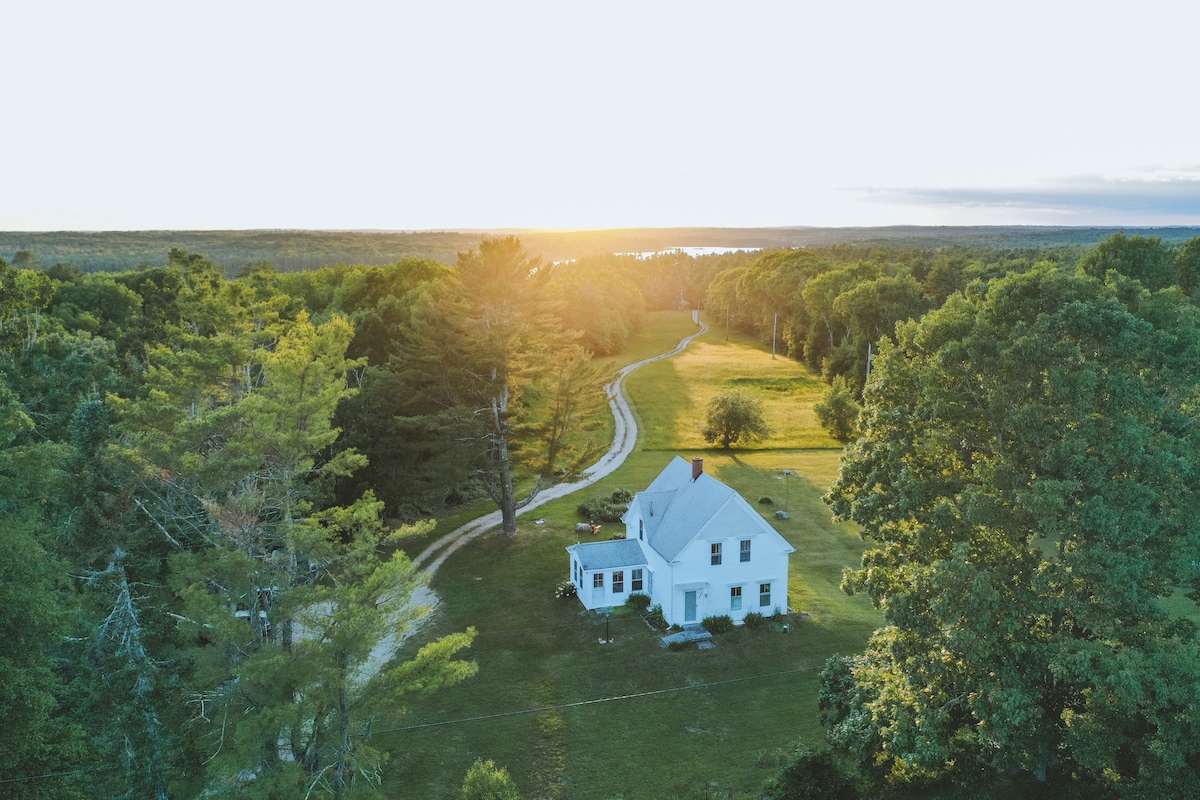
(624, 439)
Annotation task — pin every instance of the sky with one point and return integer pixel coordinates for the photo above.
(484, 115)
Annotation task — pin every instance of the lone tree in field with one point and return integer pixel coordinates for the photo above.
(838, 411)
(735, 418)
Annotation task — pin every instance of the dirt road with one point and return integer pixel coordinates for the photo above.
(624, 439)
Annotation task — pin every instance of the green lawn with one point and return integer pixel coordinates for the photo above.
(730, 708)
(672, 397)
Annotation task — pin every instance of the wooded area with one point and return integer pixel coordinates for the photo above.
(293, 250)
(206, 483)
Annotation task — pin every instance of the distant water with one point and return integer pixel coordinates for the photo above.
(693, 251)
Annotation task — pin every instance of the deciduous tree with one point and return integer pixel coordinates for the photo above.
(838, 411)
(1144, 258)
(486, 781)
(1027, 474)
(735, 418)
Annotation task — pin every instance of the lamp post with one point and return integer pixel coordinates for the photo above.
(787, 473)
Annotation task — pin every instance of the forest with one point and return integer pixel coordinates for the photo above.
(292, 250)
(212, 469)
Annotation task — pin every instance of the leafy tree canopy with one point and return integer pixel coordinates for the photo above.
(486, 781)
(1028, 475)
(735, 418)
(1144, 258)
(838, 411)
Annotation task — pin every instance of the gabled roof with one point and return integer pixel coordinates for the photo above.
(674, 508)
(607, 555)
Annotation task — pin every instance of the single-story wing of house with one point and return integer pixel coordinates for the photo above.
(694, 545)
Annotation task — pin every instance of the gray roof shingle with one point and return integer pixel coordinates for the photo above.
(693, 505)
(607, 555)
(674, 507)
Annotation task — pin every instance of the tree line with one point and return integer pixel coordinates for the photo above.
(1025, 474)
(296, 250)
(833, 307)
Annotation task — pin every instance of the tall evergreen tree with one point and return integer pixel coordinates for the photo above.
(286, 604)
(37, 735)
(473, 350)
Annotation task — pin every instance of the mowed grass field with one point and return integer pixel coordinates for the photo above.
(572, 718)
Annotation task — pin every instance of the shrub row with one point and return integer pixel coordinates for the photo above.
(718, 624)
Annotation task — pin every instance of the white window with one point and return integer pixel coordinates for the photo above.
(745, 550)
(598, 580)
(635, 580)
(618, 581)
(764, 595)
(735, 598)
(715, 558)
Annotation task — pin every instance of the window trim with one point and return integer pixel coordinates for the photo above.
(735, 598)
(636, 580)
(618, 581)
(714, 554)
(597, 580)
(744, 551)
(764, 597)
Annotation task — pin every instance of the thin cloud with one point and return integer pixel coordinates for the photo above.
(1164, 196)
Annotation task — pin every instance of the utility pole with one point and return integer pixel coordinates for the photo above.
(774, 326)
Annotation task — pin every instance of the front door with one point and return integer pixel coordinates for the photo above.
(689, 606)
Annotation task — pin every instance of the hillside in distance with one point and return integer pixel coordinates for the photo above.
(293, 250)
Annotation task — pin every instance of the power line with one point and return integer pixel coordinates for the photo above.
(596, 701)
(47, 775)
(518, 712)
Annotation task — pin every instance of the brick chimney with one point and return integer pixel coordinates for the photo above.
(697, 468)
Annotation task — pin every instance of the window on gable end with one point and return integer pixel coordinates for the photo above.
(745, 551)
(715, 558)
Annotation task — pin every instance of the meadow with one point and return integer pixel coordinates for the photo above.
(570, 717)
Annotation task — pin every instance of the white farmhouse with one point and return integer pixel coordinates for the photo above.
(694, 545)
